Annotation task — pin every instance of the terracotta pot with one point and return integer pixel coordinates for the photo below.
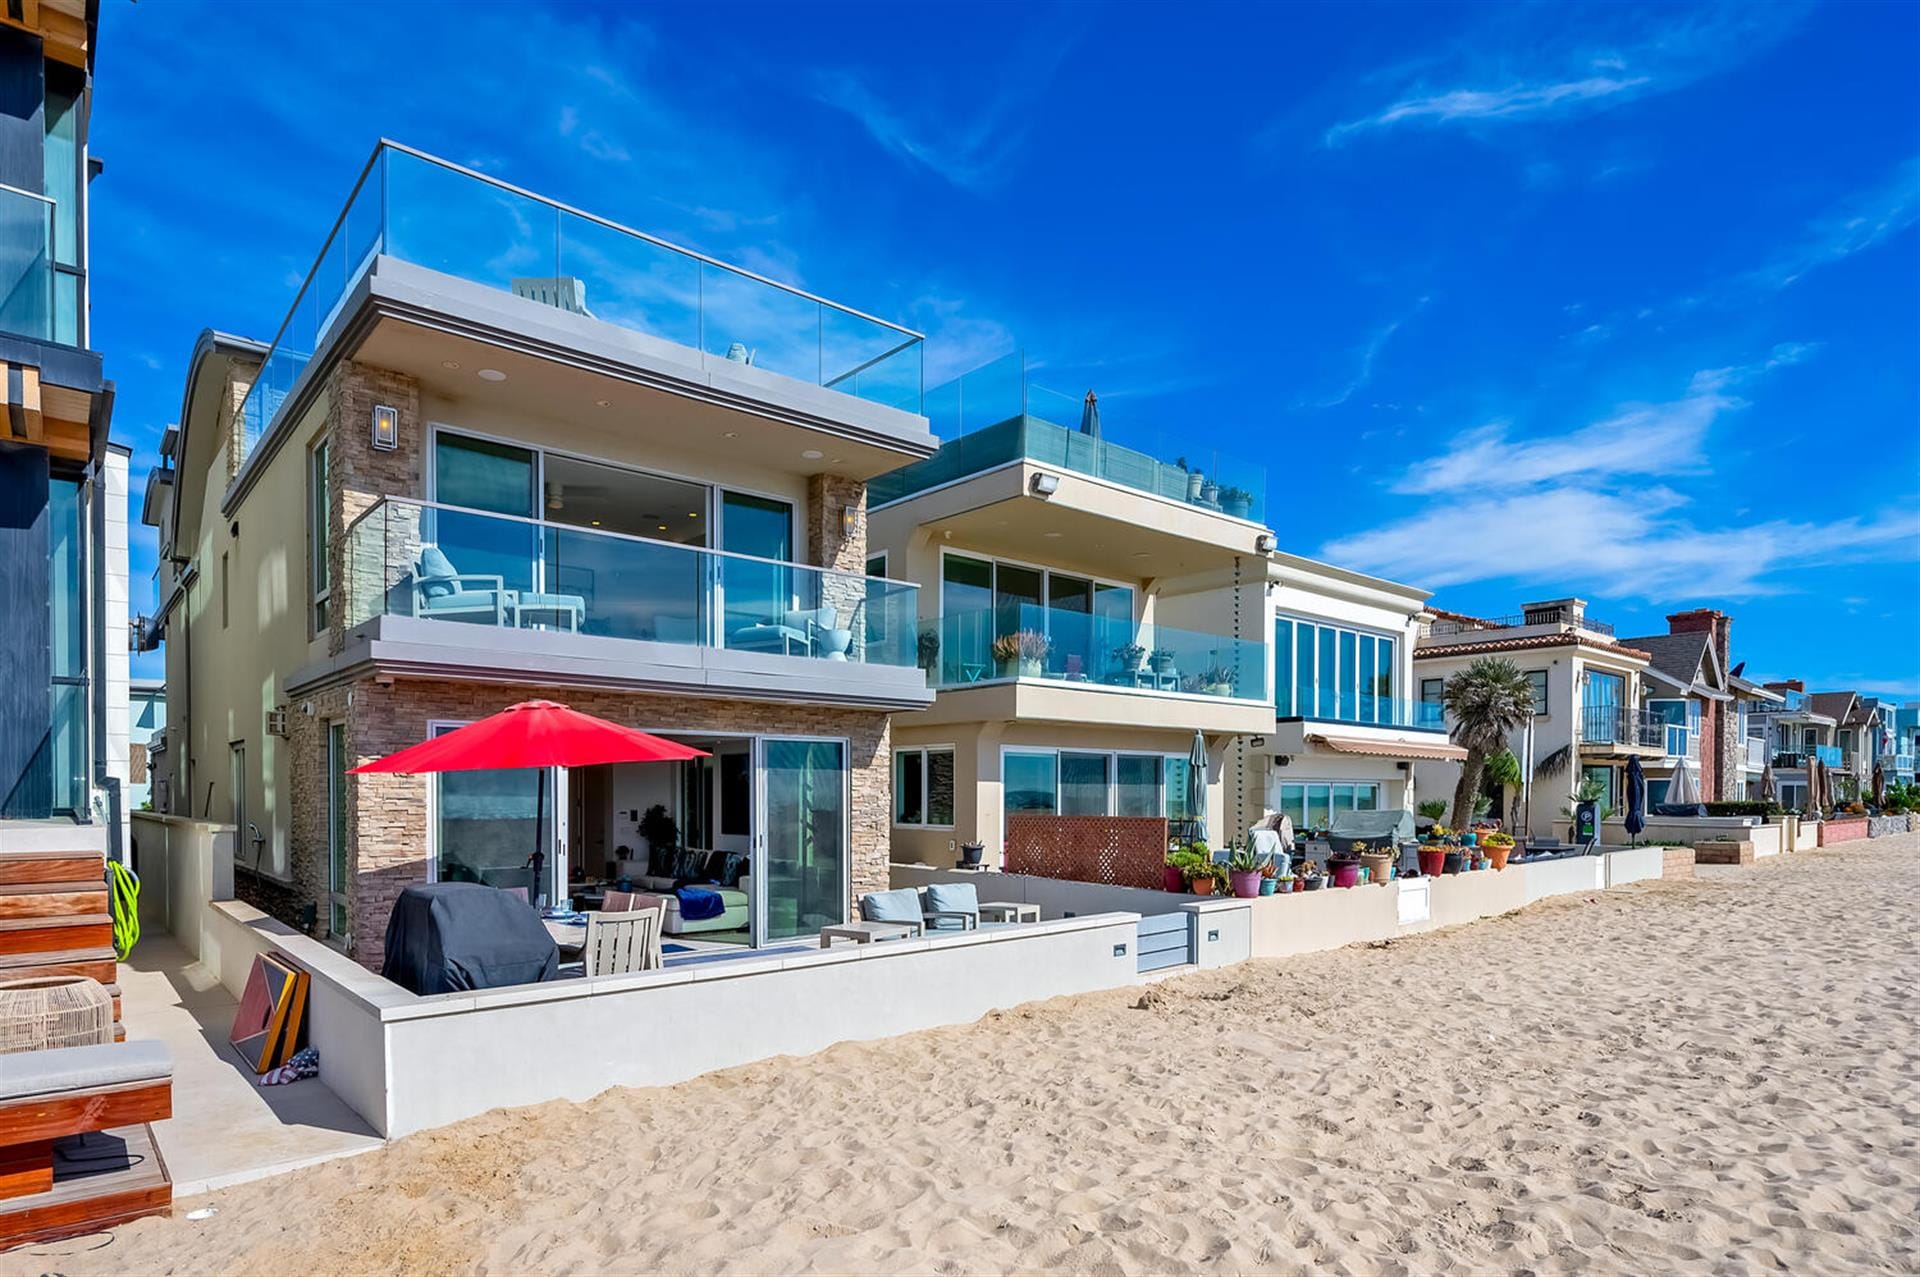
(1498, 855)
(1201, 886)
(1172, 879)
(1245, 883)
(1433, 861)
(1378, 863)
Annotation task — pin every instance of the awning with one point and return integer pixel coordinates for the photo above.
(1390, 749)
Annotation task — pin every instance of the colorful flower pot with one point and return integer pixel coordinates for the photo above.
(1346, 873)
(1379, 865)
(1453, 863)
(1172, 879)
(1433, 861)
(1470, 839)
(1498, 855)
(1201, 886)
(1268, 886)
(1245, 883)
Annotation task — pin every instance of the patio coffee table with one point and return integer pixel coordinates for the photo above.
(868, 932)
(1001, 911)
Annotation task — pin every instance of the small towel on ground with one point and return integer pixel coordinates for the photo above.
(697, 904)
(305, 1063)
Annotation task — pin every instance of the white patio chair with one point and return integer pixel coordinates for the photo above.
(618, 943)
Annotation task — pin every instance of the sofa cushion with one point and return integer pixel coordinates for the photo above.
(952, 897)
(726, 867)
(436, 573)
(690, 865)
(899, 905)
(660, 862)
(83, 1068)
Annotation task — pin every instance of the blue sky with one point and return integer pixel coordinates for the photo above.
(1510, 302)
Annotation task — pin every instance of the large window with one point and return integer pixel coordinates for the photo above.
(1087, 623)
(319, 540)
(1537, 680)
(1333, 673)
(1310, 804)
(923, 788)
(1094, 783)
(61, 183)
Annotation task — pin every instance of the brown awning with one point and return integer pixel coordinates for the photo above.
(1389, 749)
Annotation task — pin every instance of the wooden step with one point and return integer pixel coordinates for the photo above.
(52, 868)
(88, 1196)
(41, 935)
(55, 901)
(96, 963)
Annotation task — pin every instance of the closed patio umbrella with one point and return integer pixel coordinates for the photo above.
(1197, 786)
(1636, 819)
(538, 734)
(1766, 781)
(1879, 785)
(1682, 789)
(1090, 417)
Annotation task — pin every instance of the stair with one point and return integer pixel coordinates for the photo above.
(54, 914)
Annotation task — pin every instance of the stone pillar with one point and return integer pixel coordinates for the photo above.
(833, 544)
(377, 557)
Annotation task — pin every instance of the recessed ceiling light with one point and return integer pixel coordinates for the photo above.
(663, 527)
(449, 363)
(731, 434)
(693, 514)
(812, 454)
(491, 374)
(603, 403)
(1051, 536)
(1139, 554)
(836, 460)
(596, 523)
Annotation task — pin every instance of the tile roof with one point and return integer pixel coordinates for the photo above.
(1835, 705)
(1523, 642)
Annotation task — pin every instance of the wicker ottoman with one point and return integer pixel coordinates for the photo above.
(44, 1012)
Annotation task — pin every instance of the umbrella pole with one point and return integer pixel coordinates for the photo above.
(538, 859)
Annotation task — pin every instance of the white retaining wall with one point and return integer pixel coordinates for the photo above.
(1634, 864)
(1057, 897)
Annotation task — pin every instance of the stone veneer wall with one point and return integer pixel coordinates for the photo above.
(359, 475)
(387, 815)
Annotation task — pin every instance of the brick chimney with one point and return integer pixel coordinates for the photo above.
(1706, 619)
(1719, 751)
(1786, 685)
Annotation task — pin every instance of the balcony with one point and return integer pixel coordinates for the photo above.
(1028, 641)
(549, 598)
(996, 415)
(1903, 765)
(1755, 757)
(412, 207)
(26, 264)
(1374, 711)
(1618, 727)
(1793, 760)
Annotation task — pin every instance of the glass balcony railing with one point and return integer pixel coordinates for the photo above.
(1620, 725)
(426, 211)
(995, 415)
(1365, 710)
(26, 264)
(413, 558)
(1797, 758)
(1031, 641)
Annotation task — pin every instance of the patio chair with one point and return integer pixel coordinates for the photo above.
(441, 590)
(619, 943)
(901, 905)
(951, 906)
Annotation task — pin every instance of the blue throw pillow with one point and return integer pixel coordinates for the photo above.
(899, 905)
(952, 897)
(436, 573)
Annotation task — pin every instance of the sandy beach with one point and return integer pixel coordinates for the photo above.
(1715, 1076)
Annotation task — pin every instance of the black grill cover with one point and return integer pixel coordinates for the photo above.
(446, 937)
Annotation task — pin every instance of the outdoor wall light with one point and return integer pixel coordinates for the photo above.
(1044, 484)
(849, 520)
(386, 428)
(1266, 543)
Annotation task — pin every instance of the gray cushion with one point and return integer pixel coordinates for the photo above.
(952, 897)
(435, 564)
(899, 905)
(82, 1068)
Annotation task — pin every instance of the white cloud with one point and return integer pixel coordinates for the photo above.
(1864, 220)
(1622, 55)
(1369, 355)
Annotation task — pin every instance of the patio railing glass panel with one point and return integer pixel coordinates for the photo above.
(433, 214)
(408, 558)
(1082, 648)
(1389, 711)
(1619, 725)
(26, 264)
(995, 415)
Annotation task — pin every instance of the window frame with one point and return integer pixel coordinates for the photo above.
(319, 536)
(1113, 757)
(1540, 701)
(919, 756)
(1353, 650)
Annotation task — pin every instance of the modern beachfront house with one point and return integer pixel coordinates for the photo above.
(1088, 603)
(1690, 691)
(1348, 724)
(1590, 715)
(503, 449)
(63, 485)
(1798, 728)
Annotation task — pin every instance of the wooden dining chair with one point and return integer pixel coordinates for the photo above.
(618, 943)
(618, 901)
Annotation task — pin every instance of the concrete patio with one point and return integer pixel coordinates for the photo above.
(226, 1128)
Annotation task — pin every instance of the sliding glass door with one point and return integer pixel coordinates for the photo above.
(499, 478)
(802, 878)
(483, 826)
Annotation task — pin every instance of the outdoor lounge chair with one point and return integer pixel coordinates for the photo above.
(618, 943)
(441, 590)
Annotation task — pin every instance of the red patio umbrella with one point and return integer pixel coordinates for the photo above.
(539, 734)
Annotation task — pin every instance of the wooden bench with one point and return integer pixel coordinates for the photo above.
(75, 1151)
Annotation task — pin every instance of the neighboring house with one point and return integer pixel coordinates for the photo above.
(1688, 691)
(1906, 741)
(1798, 730)
(504, 450)
(1136, 584)
(63, 486)
(1348, 725)
(1752, 749)
(1590, 716)
(146, 736)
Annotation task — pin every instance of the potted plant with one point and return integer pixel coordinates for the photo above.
(1217, 681)
(1206, 878)
(1270, 878)
(1237, 502)
(1243, 872)
(1453, 859)
(659, 830)
(1179, 866)
(1209, 492)
(929, 647)
(1160, 658)
(1022, 651)
(971, 854)
(1309, 876)
(1433, 852)
(1378, 864)
(1194, 479)
(1127, 657)
(1498, 847)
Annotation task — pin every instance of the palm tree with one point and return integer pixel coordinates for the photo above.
(1486, 700)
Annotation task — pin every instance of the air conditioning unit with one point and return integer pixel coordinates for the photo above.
(277, 721)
